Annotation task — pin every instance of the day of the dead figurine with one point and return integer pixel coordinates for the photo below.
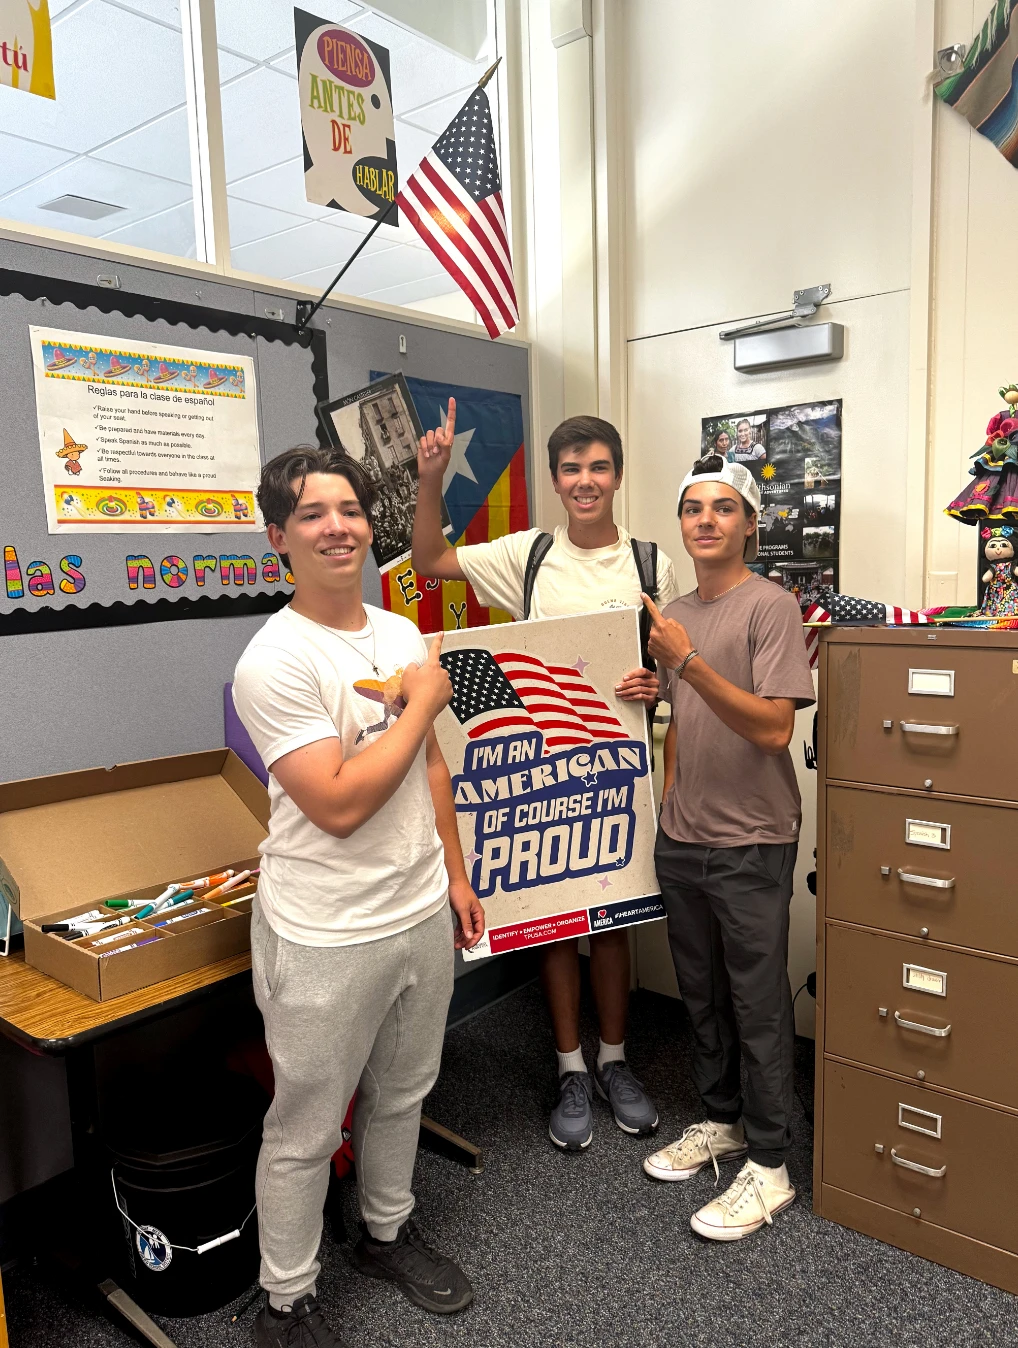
(993, 493)
(1000, 599)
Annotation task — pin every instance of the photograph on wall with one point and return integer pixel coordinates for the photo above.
(379, 427)
(141, 437)
(550, 776)
(794, 453)
(345, 93)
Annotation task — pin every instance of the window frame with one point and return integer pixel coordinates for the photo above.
(209, 191)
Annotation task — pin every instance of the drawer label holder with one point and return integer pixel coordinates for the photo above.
(913, 1119)
(926, 833)
(931, 682)
(919, 979)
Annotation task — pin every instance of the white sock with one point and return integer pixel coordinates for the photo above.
(611, 1053)
(776, 1175)
(571, 1062)
(730, 1130)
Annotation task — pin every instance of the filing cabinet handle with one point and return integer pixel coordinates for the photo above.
(920, 1169)
(918, 728)
(923, 1029)
(930, 880)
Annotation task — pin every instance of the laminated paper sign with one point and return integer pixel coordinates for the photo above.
(26, 47)
(346, 115)
(145, 438)
(551, 778)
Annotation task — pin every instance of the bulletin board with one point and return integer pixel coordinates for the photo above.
(68, 572)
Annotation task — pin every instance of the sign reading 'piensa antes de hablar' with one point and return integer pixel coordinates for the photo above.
(551, 777)
(346, 115)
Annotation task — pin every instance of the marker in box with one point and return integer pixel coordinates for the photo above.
(79, 919)
(230, 884)
(118, 936)
(207, 880)
(181, 917)
(133, 946)
(174, 899)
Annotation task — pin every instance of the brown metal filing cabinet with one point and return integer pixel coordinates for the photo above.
(917, 943)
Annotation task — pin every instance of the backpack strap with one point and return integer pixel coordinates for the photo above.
(539, 550)
(645, 557)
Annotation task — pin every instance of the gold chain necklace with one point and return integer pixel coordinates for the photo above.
(723, 592)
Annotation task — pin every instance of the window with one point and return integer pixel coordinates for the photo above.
(109, 157)
(274, 230)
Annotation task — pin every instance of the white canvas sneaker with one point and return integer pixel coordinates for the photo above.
(701, 1144)
(749, 1203)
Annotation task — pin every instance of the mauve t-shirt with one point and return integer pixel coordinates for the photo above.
(727, 792)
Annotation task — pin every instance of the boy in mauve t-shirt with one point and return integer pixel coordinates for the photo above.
(732, 663)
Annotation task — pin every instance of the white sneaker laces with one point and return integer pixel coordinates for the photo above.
(697, 1135)
(746, 1180)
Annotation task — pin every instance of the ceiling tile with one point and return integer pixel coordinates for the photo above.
(140, 193)
(436, 117)
(420, 69)
(23, 160)
(162, 146)
(112, 70)
(372, 271)
(169, 232)
(310, 246)
(263, 28)
(261, 122)
(426, 289)
(249, 223)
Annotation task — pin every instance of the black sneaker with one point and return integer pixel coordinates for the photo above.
(431, 1280)
(303, 1326)
(572, 1121)
(634, 1110)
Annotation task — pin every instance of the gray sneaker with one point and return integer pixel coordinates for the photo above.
(634, 1110)
(572, 1120)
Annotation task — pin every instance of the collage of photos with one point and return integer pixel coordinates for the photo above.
(795, 455)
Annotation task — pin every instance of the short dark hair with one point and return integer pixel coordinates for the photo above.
(278, 499)
(578, 433)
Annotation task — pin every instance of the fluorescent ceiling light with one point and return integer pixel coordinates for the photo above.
(84, 207)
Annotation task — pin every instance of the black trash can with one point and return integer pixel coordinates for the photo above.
(181, 1185)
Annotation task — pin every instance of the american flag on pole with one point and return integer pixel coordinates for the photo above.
(511, 692)
(816, 613)
(454, 201)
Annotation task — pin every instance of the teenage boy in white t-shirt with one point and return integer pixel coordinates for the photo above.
(351, 938)
(590, 566)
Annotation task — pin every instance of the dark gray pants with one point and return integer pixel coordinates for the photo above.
(728, 930)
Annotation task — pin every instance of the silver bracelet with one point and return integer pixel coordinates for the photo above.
(677, 671)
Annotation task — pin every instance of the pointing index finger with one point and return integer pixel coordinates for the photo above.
(450, 423)
(436, 648)
(651, 607)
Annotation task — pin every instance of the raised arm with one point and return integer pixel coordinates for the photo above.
(431, 555)
(339, 795)
(767, 722)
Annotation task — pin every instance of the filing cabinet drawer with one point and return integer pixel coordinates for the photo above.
(908, 1007)
(936, 1154)
(908, 715)
(948, 867)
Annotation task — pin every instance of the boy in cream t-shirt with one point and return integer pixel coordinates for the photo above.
(590, 565)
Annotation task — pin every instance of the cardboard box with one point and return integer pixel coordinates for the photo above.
(70, 841)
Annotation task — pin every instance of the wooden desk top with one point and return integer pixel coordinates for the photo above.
(47, 1016)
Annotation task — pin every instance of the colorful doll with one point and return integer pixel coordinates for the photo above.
(1000, 599)
(994, 492)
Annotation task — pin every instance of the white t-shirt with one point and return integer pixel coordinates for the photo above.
(570, 580)
(298, 682)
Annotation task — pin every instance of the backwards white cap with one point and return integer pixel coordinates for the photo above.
(735, 475)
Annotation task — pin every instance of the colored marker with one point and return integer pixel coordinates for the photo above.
(174, 899)
(133, 946)
(93, 915)
(119, 935)
(71, 934)
(239, 899)
(207, 880)
(181, 917)
(230, 884)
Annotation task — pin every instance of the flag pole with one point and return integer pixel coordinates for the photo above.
(305, 309)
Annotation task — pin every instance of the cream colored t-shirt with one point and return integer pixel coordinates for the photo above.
(298, 682)
(570, 580)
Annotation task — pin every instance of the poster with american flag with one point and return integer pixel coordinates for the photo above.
(551, 778)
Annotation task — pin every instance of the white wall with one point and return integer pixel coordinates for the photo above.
(768, 148)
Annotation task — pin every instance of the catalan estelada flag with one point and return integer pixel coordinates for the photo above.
(485, 494)
(985, 90)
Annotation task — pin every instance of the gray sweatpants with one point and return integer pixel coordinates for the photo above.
(368, 1018)
(728, 929)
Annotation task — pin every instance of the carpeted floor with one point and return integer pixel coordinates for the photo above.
(583, 1251)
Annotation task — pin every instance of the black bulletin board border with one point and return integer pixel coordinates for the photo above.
(111, 301)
